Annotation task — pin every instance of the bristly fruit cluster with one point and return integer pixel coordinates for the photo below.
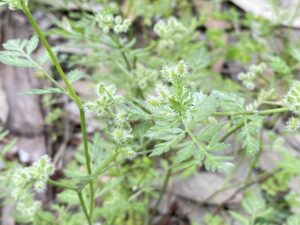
(107, 22)
(31, 178)
(292, 100)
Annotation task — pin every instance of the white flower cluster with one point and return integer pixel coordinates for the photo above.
(28, 206)
(173, 74)
(13, 4)
(107, 96)
(248, 79)
(24, 179)
(292, 99)
(121, 136)
(108, 21)
(293, 124)
(170, 31)
(170, 74)
(161, 98)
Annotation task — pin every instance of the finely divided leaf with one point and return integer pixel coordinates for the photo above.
(18, 52)
(203, 106)
(75, 75)
(32, 44)
(218, 163)
(41, 91)
(249, 136)
(166, 146)
(230, 102)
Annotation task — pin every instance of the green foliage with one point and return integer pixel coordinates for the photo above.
(255, 209)
(157, 118)
(293, 220)
(18, 52)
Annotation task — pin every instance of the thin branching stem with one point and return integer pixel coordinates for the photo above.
(117, 42)
(260, 113)
(162, 191)
(61, 185)
(72, 94)
(81, 200)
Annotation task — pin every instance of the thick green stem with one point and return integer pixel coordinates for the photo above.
(71, 91)
(260, 113)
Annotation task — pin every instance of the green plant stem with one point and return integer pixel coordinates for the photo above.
(71, 91)
(241, 124)
(192, 136)
(117, 42)
(164, 187)
(98, 171)
(105, 164)
(162, 191)
(50, 52)
(88, 218)
(61, 185)
(232, 131)
(58, 85)
(260, 113)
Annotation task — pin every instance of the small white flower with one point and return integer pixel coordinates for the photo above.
(182, 68)
(154, 102)
(163, 91)
(121, 135)
(122, 118)
(40, 186)
(165, 73)
(293, 124)
(292, 99)
(35, 176)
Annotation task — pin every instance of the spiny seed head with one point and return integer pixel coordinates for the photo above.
(28, 206)
(35, 176)
(163, 91)
(44, 166)
(174, 73)
(120, 135)
(122, 118)
(182, 68)
(165, 73)
(107, 21)
(90, 106)
(154, 102)
(293, 124)
(40, 186)
(292, 98)
(248, 79)
(118, 20)
(100, 89)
